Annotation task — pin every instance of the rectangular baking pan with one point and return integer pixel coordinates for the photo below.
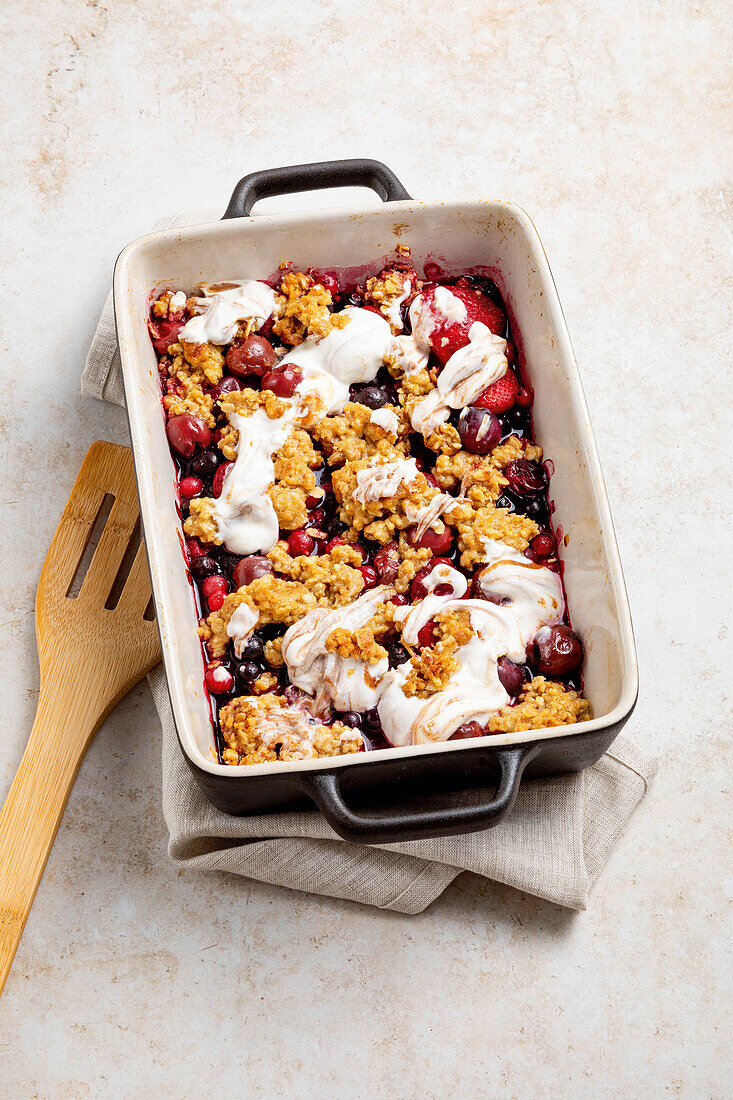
(412, 792)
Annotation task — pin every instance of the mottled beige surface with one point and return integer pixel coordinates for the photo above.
(607, 122)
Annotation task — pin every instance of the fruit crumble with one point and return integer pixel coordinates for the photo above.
(366, 513)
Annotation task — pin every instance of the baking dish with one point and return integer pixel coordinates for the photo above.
(398, 793)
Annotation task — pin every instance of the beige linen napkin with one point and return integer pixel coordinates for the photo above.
(554, 844)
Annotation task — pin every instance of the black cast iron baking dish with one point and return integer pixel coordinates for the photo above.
(419, 791)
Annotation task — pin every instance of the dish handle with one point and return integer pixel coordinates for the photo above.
(384, 826)
(314, 177)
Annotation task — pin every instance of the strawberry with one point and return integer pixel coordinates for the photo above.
(500, 395)
(448, 336)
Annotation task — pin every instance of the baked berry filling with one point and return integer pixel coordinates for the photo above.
(367, 521)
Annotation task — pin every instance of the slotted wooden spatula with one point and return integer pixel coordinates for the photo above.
(92, 648)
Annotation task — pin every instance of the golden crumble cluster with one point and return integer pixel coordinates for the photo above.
(303, 309)
(358, 498)
(260, 730)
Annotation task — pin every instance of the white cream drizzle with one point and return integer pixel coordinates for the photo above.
(177, 303)
(241, 625)
(385, 418)
(467, 374)
(222, 311)
(383, 479)
(348, 683)
(392, 311)
(345, 356)
(447, 305)
(442, 504)
(244, 514)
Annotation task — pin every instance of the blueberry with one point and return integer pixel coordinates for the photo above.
(247, 672)
(396, 654)
(537, 510)
(371, 720)
(374, 397)
(252, 648)
(350, 718)
(205, 464)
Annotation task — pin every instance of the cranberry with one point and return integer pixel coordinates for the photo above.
(219, 476)
(468, 729)
(525, 477)
(557, 650)
(327, 280)
(300, 542)
(374, 397)
(350, 718)
(427, 636)
(218, 679)
(479, 429)
(191, 487)
(205, 464)
(282, 382)
(186, 433)
(524, 396)
(543, 545)
(370, 576)
(338, 540)
(214, 583)
(396, 654)
(316, 517)
(313, 500)
(202, 567)
(164, 333)
(215, 600)
(387, 563)
(248, 671)
(437, 541)
(227, 385)
(250, 568)
(417, 589)
(253, 355)
(511, 676)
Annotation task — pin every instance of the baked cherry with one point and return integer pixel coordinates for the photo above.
(479, 429)
(427, 636)
(399, 599)
(417, 589)
(557, 650)
(163, 334)
(187, 433)
(511, 676)
(437, 541)
(250, 568)
(300, 543)
(227, 385)
(374, 397)
(282, 382)
(387, 563)
(195, 549)
(525, 396)
(253, 355)
(525, 477)
(370, 576)
(218, 679)
(218, 483)
(468, 729)
(191, 487)
(203, 566)
(543, 545)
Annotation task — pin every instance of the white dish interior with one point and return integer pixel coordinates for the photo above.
(491, 235)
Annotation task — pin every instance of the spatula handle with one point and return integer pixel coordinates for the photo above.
(31, 816)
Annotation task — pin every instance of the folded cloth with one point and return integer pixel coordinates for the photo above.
(554, 844)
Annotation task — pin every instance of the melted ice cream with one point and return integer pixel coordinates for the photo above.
(224, 307)
(384, 479)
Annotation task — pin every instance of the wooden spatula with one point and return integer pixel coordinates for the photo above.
(93, 648)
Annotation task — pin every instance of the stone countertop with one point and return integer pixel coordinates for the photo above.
(606, 122)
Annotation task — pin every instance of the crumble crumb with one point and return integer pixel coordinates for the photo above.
(274, 652)
(354, 435)
(200, 523)
(331, 580)
(492, 523)
(432, 667)
(378, 518)
(228, 441)
(246, 402)
(387, 291)
(363, 644)
(542, 703)
(205, 357)
(411, 561)
(257, 730)
(302, 309)
(274, 599)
